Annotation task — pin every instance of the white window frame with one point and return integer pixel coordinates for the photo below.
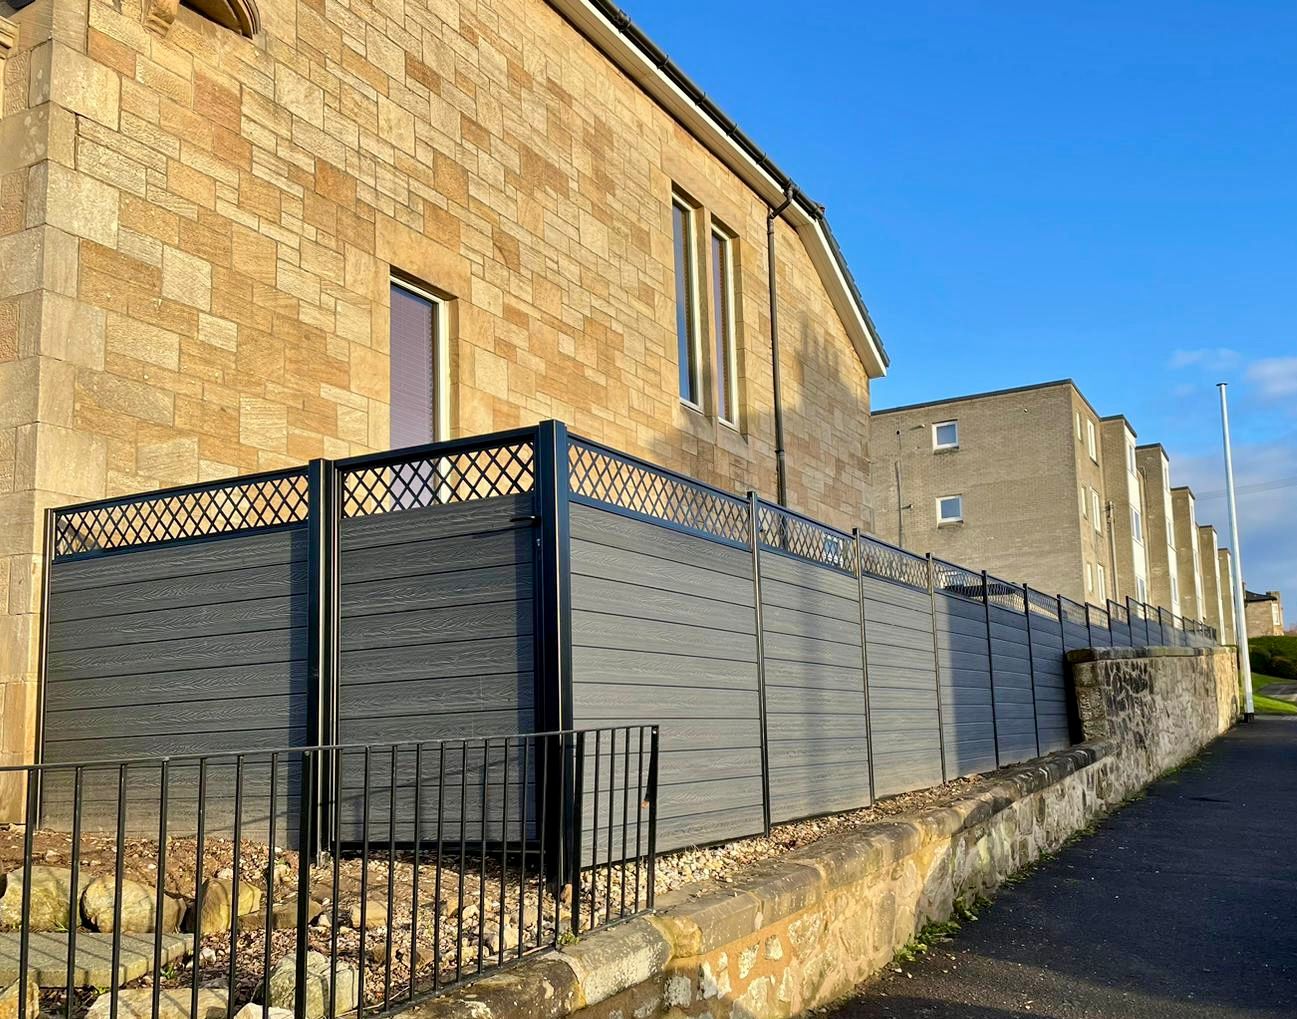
(694, 311)
(937, 444)
(1141, 588)
(1101, 581)
(1078, 426)
(1097, 508)
(731, 346)
(1091, 441)
(949, 520)
(1085, 510)
(1130, 458)
(1137, 525)
(440, 353)
(1089, 578)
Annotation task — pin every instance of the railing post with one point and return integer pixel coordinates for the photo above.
(864, 656)
(754, 540)
(323, 524)
(1062, 624)
(936, 668)
(42, 656)
(553, 626)
(1031, 664)
(578, 820)
(653, 814)
(1161, 626)
(1089, 631)
(990, 663)
(1130, 616)
(305, 833)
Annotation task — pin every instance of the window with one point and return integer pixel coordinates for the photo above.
(237, 15)
(418, 366)
(1175, 589)
(727, 367)
(1136, 526)
(950, 509)
(1096, 517)
(1090, 443)
(1085, 512)
(1089, 578)
(1078, 426)
(1130, 458)
(1141, 588)
(687, 349)
(1102, 580)
(945, 435)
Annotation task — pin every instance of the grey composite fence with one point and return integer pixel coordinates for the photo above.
(530, 581)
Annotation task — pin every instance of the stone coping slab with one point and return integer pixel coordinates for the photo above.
(47, 959)
(1120, 654)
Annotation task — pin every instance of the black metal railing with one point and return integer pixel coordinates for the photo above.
(439, 860)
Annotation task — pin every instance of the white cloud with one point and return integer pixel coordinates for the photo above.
(1209, 358)
(1275, 378)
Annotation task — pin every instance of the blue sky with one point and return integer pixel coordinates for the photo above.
(1033, 191)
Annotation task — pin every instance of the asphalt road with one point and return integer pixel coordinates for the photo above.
(1183, 904)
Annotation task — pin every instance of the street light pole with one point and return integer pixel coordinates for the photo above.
(1240, 615)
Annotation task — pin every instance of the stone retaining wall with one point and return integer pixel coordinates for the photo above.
(797, 932)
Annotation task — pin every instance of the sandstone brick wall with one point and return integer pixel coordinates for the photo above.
(1188, 563)
(1019, 467)
(197, 231)
(1159, 528)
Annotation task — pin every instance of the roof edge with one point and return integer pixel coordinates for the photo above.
(981, 396)
(610, 30)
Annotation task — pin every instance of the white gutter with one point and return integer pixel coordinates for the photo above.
(627, 55)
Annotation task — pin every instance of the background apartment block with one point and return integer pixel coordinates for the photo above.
(1124, 489)
(1012, 480)
(1264, 614)
(233, 240)
(1159, 527)
(1213, 593)
(1188, 562)
(1229, 632)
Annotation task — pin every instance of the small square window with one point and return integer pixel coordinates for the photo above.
(950, 509)
(945, 435)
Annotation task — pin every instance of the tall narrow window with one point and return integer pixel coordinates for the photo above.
(686, 307)
(1097, 516)
(1102, 579)
(416, 357)
(1090, 443)
(727, 361)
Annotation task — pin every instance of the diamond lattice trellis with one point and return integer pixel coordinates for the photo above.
(595, 474)
(239, 505)
(439, 480)
(954, 579)
(888, 563)
(806, 540)
(1042, 604)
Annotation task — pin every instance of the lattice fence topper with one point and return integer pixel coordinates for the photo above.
(1073, 612)
(1117, 613)
(596, 474)
(954, 579)
(223, 508)
(1006, 595)
(431, 478)
(887, 562)
(1042, 604)
(805, 539)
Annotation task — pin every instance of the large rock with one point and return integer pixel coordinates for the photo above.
(49, 898)
(283, 982)
(218, 896)
(137, 1003)
(284, 914)
(9, 1000)
(375, 915)
(254, 1011)
(139, 904)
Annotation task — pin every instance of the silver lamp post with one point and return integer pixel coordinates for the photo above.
(1240, 615)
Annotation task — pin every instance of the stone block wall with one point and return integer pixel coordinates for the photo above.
(796, 933)
(197, 232)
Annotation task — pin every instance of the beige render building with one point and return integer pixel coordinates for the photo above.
(1159, 527)
(1228, 631)
(238, 234)
(1264, 614)
(1124, 491)
(1188, 561)
(1011, 481)
(1213, 593)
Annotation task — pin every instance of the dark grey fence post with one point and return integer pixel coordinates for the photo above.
(754, 539)
(42, 654)
(553, 641)
(1089, 632)
(1031, 664)
(1130, 620)
(990, 663)
(1161, 627)
(1062, 624)
(936, 668)
(864, 654)
(322, 525)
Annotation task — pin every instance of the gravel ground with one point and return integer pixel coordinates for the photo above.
(458, 927)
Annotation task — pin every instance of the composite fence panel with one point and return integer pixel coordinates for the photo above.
(818, 749)
(968, 714)
(1119, 626)
(1011, 665)
(436, 624)
(664, 631)
(189, 647)
(903, 712)
(1100, 630)
(1052, 714)
(1075, 632)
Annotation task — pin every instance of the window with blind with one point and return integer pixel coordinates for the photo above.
(415, 338)
(686, 304)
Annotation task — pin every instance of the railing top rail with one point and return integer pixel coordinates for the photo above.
(320, 748)
(649, 465)
(886, 561)
(445, 447)
(177, 490)
(783, 530)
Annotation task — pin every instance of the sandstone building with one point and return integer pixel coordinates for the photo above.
(1012, 481)
(1124, 491)
(1264, 614)
(1159, 527)
(1228, 632)
(1188, 560)
(238, 234)
(1214, 592)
